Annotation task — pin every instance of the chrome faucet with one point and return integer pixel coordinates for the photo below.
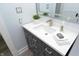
(50, 22)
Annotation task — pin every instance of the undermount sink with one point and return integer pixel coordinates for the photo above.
(47, 29)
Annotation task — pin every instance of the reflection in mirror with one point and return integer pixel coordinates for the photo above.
(48, 8)
(61, 11)
(70, 10)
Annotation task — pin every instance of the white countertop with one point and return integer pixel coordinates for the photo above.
(49, 39)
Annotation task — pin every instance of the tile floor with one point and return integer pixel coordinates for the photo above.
(4, 51)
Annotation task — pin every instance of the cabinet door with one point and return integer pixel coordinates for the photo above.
(40, 47)
(29, 38)
(36, 48)
(26, 36)
(32, 41)
(26, 33)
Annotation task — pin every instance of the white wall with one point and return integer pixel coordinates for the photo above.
(10, 17)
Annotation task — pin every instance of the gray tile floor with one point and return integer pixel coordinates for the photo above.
(4, 51)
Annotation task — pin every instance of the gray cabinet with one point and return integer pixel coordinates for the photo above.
(38, 47)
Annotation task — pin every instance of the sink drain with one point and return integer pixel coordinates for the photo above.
(46, 33)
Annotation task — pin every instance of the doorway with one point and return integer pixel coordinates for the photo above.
(4, 50)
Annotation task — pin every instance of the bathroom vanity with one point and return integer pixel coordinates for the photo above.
(45, 40)
(38, 47)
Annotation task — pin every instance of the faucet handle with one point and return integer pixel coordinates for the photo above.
(50, 22)
(76, 15)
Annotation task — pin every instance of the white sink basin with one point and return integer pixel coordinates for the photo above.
(46, 29)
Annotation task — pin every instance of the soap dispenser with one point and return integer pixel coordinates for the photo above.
(62, 26)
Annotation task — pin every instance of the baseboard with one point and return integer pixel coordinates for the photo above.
(22, 51)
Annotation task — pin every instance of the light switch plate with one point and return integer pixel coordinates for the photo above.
(18, 10)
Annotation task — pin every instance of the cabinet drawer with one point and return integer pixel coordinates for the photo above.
(32, 42)
(48, 51)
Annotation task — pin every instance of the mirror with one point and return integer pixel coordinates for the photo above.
(48, 8)
(61, 11)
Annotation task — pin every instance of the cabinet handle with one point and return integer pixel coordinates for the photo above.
(48, 51)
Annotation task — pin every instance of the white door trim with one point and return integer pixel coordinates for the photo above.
(4, 32)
